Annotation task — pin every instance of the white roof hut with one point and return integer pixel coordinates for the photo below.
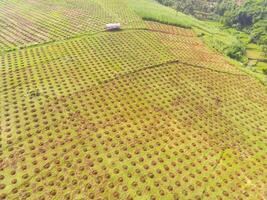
(113, 26)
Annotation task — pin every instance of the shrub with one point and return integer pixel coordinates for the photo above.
(236, 51)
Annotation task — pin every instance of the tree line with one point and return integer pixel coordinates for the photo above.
(250, 16)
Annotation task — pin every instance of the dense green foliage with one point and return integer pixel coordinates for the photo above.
(224, 6)
(251, 17)
(236, 52)
(202, 9)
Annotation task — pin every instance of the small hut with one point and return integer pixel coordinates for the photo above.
(113, 26)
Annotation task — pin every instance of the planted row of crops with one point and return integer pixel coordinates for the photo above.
(135, 114)
(136, 137)
(27, 22)
(184, 44)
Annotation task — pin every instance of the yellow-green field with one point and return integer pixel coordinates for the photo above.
(147, 112)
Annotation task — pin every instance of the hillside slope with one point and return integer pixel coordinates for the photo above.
(246, 21)
(148, 112)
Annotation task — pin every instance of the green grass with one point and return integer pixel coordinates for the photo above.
(254, 52)
(150, 10)
(210, 33)
(261, 67)
(255, 71)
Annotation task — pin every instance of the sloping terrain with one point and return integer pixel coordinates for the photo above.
(147, 112)
(29, 22)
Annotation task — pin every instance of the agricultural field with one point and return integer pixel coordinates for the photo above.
(31, 22)
(147, 112)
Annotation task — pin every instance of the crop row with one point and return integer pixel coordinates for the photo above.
(61, 69)
(136, 136)
(106, 117)
(28, 22)
(164, 28)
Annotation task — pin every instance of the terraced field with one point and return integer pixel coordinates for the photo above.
(147, 112)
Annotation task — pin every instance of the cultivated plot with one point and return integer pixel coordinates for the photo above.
(136, 114)
(27, 22)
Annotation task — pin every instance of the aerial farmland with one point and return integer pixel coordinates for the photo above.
(146, 112)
